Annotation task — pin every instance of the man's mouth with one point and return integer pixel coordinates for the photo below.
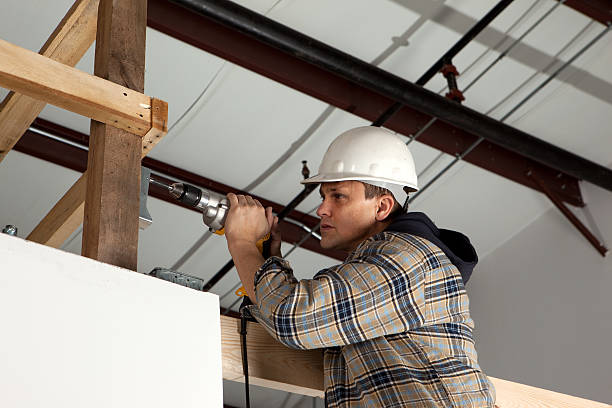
(326, 227)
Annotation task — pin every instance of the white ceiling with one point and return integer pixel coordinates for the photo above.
(244, 122)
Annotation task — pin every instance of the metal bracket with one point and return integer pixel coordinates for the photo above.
(145, 218)
(599, 246)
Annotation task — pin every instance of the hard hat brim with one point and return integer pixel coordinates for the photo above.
(330, 178)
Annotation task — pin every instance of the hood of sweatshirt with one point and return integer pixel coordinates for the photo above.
(455, 245)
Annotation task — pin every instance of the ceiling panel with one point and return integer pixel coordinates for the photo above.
(30, 187)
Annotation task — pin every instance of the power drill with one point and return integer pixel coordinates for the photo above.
(214, 206)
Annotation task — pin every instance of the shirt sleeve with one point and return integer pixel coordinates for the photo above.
(381, 293)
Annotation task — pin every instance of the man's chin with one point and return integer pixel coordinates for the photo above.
(326, 243)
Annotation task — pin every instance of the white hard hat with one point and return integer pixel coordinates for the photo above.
(371, 155)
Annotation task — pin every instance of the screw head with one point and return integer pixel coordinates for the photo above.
(10, 230)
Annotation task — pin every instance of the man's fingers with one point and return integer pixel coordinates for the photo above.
(233, 199)
(241, 199)
(269, 216)
(258, 203)
(250, 200)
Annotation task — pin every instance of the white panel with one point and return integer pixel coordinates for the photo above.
(82, 333)
(541, 305)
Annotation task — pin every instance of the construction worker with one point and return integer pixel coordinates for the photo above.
(393, 318)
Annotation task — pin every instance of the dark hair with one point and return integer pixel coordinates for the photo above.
(372, 191)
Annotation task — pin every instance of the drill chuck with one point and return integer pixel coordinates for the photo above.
(186, 193)
(213, 206)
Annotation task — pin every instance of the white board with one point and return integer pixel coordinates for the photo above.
(79, 333)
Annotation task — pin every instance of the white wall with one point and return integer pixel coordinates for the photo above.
(80, 333)
(542, 304)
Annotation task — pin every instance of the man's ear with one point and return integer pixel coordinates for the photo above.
(385, 207)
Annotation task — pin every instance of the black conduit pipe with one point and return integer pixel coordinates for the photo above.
(317, 53)
(448, 56)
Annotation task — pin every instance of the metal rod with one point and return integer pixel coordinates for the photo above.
(557, 72)
(448, 56)
(491, 65)
(305, 228)
(460, 157)
(57, 138)
(304, 238)
(599, 246)
(514, 44)
(507, 33)
(391, 86)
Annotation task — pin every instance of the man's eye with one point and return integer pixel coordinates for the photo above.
(338, 196)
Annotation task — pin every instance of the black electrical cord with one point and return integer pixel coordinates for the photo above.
(245, 317)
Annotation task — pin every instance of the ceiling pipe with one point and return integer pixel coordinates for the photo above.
(350, 68)
(534, 92)
(449, 55)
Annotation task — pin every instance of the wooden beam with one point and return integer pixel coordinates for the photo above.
(511, 394)
(271, 364)
(67, 45)
(41, 78)
(110, 223)
(275, 366)
(64, 218)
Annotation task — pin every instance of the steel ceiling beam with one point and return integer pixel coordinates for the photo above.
(355, 97)
(600, 10)
(72, 155)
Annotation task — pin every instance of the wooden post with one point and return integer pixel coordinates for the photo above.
(110, 226)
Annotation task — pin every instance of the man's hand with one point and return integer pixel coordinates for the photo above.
(246, 222)
(275, 234)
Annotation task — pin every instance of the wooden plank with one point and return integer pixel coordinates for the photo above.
(67, 45)
(271, 364)
(110, 223)
(275, 366)
(41, 78)
(511, 394)
(64, 218)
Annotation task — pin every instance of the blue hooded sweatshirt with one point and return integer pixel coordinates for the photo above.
(455, 245)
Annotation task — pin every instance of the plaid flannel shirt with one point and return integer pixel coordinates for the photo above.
(394, 322)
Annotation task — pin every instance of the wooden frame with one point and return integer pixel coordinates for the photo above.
(275, 366)
(49, 77)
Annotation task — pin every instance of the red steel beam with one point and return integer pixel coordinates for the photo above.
(600, 10)
(328, 87)
(593, 240)
(75, 158)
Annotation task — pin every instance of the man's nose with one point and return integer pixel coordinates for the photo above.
(323, 210)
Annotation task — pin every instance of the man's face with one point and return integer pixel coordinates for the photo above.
(347, 217)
